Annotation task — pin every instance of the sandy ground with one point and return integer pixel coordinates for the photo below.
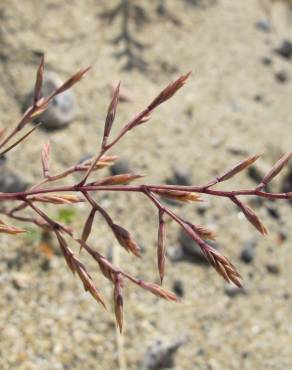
(46, 320)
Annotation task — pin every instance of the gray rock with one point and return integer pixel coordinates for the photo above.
(257, 171)
(180, 176)
(233, 291)
(273, 269)
(160, 355)
(178, 288)
(267, 61)
(263, 25)
(285, 49)
(248, 252)
(11, 182)
(61, 111)
(121, 166)
(281, 77)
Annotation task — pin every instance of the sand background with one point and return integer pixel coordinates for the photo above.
(46, 320)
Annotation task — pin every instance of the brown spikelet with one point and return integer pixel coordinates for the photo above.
(158, 290)
(39, 80)
(222, 265)
(251, 216)
(179, 195)
(118, 301)
(278, 166)
(67, 253)
(88, 225)
(126, 240)
(57, 198)
(71, 81)
(124, 178)
(289, 195)
(45, 158)
(12, 230)
(169, 91)
(42, 107)
(161, 249)
(238, 168)
(204, 232)
(105, 161)
(88, 283)
(111, 114)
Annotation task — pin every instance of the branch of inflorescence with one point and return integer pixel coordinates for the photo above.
(45, 191)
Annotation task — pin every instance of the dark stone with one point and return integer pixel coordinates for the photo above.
(281, 77)
(273, 210)
(263, 25)
(10, 182)
(121, 166)
(161, 356)
(267, 61)
(273, 269)
(286, 185)
(191, 251)
(258, 98)
(61, 111)
(233, 291)
(178, 288)
(248, 252)
(181, 176)
(285, 49)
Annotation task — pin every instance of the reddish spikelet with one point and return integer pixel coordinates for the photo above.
(111, 114)
(126, 240)
(161, 249)
(45, 158)
(182, 196)
(71, 81)
(204, 232)
(238, 168)
(120, 179)
(88, 284)
(39, 81)
(88, 225)
(105, 161)
(67, 253)
(12, 230)
(159, 291)
(57, 198)
(251, 216)
(222, 265)
(169, 91)
(278, 166)
(118, 301)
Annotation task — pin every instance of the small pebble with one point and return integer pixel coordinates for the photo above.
(286, 185)
(178, 288)
(281, 77)
(267, 61)
(263, 25)
(248, 252)
(233, 291)
(160, 355)
(180, 176)
(273, 210)
(121, 166)
(273, 269)
(285, 49)
(10, 182)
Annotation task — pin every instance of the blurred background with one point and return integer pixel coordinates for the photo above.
(236, 103)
